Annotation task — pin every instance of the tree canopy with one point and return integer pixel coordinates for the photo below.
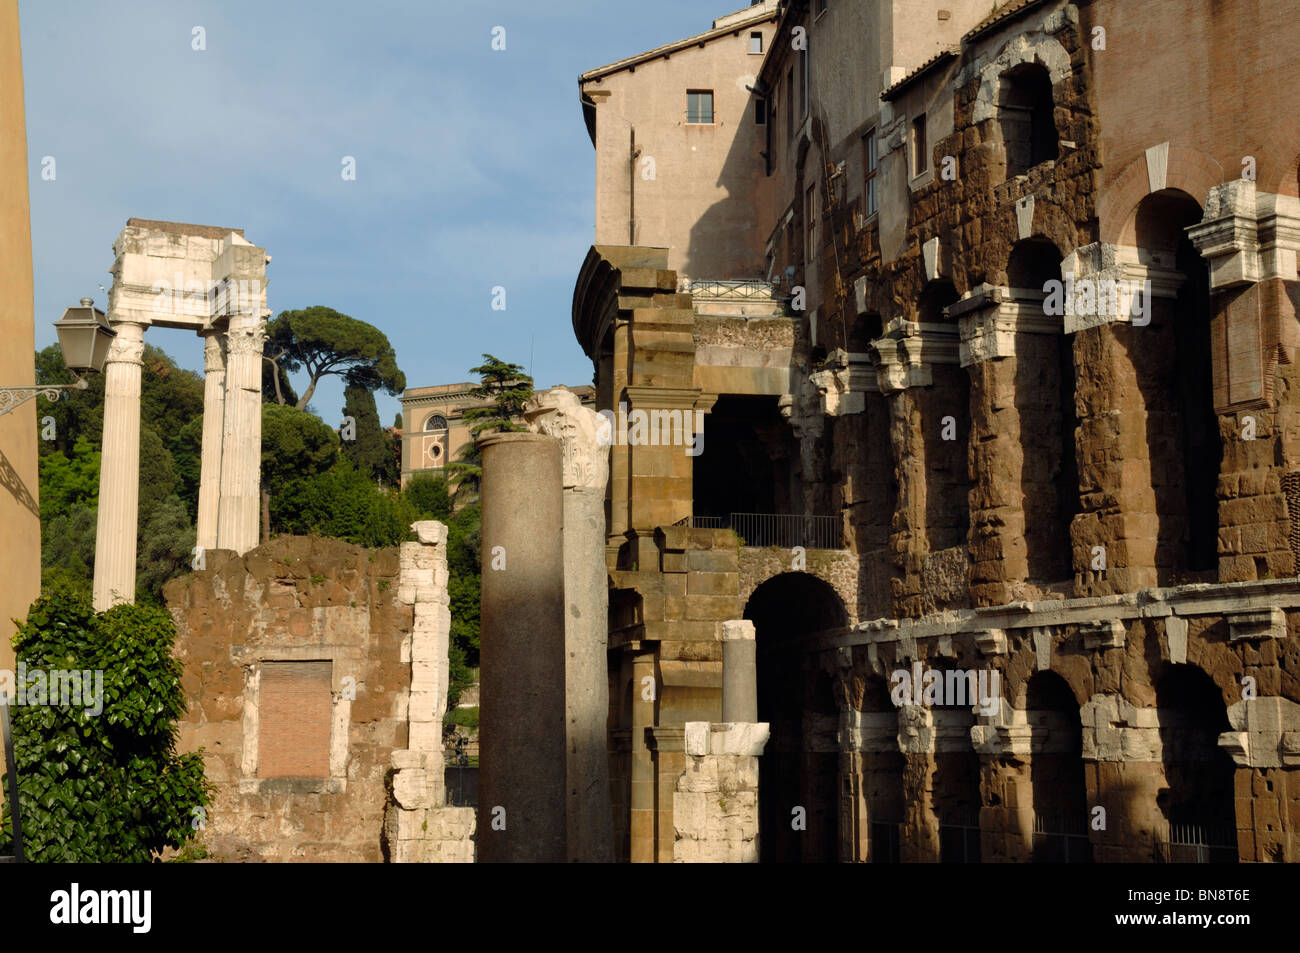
(322, 341)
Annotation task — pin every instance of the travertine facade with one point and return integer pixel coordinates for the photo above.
(1013, 400)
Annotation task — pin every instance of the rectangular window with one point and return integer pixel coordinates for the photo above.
(810, 224)
(760, 112)
(756, 42)
(699, 106)
(295, 712)
(869, 174)
(920, 151)
(803, 84)
(789, 95)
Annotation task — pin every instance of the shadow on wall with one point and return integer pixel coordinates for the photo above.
(13, 482)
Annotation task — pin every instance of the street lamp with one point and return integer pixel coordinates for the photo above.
(84, 338)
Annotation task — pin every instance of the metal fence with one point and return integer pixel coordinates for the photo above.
(775, 529)
(1196, 844)
(959, 839)
(1061, 839)
(748, 288)
(462, 785)
(884, 843)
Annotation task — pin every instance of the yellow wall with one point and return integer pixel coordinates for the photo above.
(20, 527)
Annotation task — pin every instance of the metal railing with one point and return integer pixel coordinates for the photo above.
(742, 288)
(1061, 840)
(775, 529)
(959, 838)
(1196, 844)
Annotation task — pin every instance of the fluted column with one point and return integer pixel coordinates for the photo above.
(214, 403)
(119, 470)
(241, 438)
(559, 413)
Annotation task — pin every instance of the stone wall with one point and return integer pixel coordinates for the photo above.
(715, 804)
(382, 624)
(294, 598)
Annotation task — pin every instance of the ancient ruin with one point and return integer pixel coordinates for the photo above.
(996, 366)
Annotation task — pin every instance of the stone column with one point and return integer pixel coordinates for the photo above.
(214, 403)
(739, 672)
(119, 470)
(521, 807)
(559, 413)
(241, 439)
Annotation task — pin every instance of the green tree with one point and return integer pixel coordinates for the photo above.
(322, 341)
(68, 479)
(78, 413)
(428, 496)
(106, 786)
(507, 388)
(187, 456)
(343, 503)
(370, 450)
(166, 548)
(296, 446)
(158, 478)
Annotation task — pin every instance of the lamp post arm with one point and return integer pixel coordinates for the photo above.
(12, 398)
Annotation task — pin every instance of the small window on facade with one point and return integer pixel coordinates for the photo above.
(295, 712)
(810, 224)
(436, 422)
(869, 174)
(920, 151)
(756, 42)
(760, 112)
(789, 95)
(803, 84)
(699, 106)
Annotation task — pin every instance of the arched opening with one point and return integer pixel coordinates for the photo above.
(1026, 113)
(1044, 386)
(1176, 379)
(792, 700)
(1056, 772)
(1197, 806)
(955, 785)
(946, 412)
(882, 773)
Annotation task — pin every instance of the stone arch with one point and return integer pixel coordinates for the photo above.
(1057, 779)
(945, 412)
(1196, 808)
(1040, 49)
(1163, 165)
(955, 781)
(1175, 375)
(791, 697)
(1026, 117)
(881, 772)
(1044, 396)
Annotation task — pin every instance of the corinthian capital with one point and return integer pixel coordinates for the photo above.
(559, 413)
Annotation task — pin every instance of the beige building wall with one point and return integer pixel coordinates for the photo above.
(20, 557)
(693, 184)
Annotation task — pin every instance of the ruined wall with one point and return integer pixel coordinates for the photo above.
(294, 599)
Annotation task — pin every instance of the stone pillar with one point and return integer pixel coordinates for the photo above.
(214, 403)
(715, 805)
(642, 785)
(241, 439)
(521, 808)
(559, 413)
(739, 672)
(119, 470)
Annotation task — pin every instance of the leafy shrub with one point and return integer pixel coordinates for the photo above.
(108, 787)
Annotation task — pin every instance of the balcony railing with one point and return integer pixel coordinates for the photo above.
(775, 529)
(1196, 844)
(742, 288)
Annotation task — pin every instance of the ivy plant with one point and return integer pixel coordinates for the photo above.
(104, 787)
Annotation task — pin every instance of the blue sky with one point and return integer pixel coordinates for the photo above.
(473, 166)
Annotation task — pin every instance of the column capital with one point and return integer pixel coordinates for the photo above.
(128, 346)
(559, 413)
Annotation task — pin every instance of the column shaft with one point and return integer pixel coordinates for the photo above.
(119, 470)
(241, 442)
(521, 804)
(214, 403)
(739, 672)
